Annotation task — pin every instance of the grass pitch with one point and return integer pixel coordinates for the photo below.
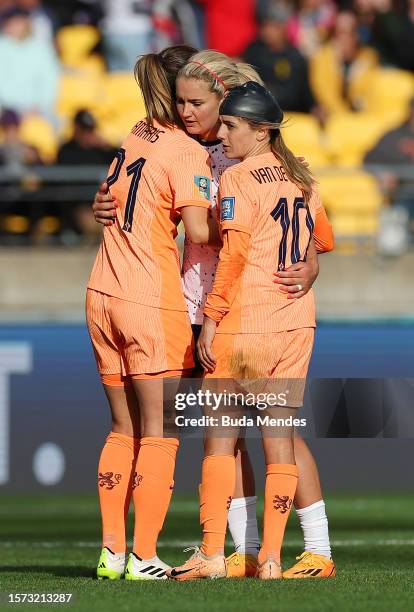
(50, 544)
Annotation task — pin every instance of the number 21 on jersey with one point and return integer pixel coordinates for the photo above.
(133, 170)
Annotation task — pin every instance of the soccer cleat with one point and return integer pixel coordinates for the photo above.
(311, 565)
(145, 569)
(110, 565)
(199, 566)
(269, 570)
(241, 565)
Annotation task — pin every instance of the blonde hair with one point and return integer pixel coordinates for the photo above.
(297, 172)
(218, 71)
(155, 74)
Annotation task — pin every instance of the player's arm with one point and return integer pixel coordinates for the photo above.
(323, 232)
(200, 225)
(190, 180)
(233, 257)
(237, 213)
(299, 278)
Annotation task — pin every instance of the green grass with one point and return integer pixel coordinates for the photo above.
(51, 544)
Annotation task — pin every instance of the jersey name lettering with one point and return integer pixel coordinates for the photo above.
(269, 174)
(146, 131)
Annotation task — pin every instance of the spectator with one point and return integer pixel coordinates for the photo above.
(311, 24)
(396, 148)
(127, 32)
(393, 33)
(339, 69)
(72, 12)
(43, 25)
(230, 25)
(86, 146)
(29, 68)
(282, 67)
(174, 23)
(14, 153)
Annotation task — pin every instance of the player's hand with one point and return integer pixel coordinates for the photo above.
(205, 341)
(298, 279)
(104, 205)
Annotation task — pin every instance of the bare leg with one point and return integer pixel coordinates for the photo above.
(124, 410)
(309, 487)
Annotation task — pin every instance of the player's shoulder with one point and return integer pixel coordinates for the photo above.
(235, 172)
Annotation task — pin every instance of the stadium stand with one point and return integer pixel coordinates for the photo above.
(334, 141)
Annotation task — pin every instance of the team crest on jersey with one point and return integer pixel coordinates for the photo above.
(227, 208)
(202, 186)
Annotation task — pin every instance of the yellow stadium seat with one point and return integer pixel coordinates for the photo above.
(75, 43)
(39, 133)
(78, 91)
(390, 90)
(302, 135)
(353, 201)
(15, 224)
(120, 95)
(349, 136)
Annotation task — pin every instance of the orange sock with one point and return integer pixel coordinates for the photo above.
(152, 492)
(218, 479)
(115, 477)
(280, 487)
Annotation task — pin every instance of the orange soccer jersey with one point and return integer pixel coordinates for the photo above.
(156, 172)
(259, 201)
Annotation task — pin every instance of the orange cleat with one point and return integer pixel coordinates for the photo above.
(241, 565)
(311, 565)
(199, 566)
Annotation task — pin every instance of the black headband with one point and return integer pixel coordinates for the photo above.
(252, 101)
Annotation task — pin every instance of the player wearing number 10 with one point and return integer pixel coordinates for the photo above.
(252, 334)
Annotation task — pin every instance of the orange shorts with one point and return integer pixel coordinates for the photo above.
(133, 340)
(277, 361)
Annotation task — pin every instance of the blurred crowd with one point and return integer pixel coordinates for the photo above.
(346, 65)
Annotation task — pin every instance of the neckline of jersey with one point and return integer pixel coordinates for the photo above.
(209, 143)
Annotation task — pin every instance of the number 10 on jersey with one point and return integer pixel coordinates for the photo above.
(281, 214)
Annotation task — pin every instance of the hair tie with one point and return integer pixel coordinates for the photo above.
(215, 75)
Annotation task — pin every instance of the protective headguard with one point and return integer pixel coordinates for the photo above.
(252, 101)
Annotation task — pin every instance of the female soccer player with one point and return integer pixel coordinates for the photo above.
(201, 86)
(268, 207)
(138, 319)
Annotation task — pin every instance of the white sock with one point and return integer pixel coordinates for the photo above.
(314, 523)
(243, 525)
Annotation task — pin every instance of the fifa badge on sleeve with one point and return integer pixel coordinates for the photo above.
(202, 186)
(227, 208)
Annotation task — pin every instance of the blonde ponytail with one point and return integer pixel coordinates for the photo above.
(295, 170)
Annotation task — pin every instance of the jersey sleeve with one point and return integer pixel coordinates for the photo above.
(190, 179)
(233, 257)
(237, 208)
(322, 232)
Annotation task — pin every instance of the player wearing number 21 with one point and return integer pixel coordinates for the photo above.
(138, 319)
(251, 332)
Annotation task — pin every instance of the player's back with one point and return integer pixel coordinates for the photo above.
(258, 197)
(156, 172)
